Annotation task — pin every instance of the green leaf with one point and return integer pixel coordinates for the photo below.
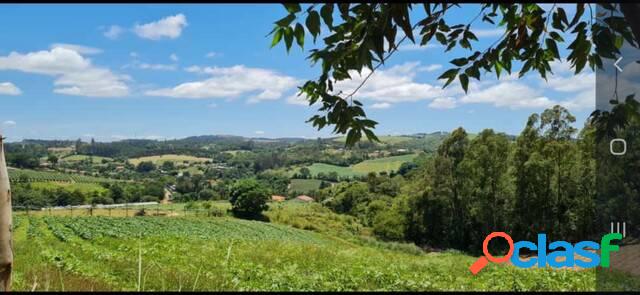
(288, 37)
(299, 34)
(450, 75)
(551, 45)
(286, 21)
(327, 14)
(464, 81)
(292, 7)
(277, 37)
(313, 24)
(459, 61)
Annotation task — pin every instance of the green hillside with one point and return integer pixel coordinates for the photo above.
(159, 254)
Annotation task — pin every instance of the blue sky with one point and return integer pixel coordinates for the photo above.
(171, 71)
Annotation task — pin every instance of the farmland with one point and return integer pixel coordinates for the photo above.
(168, 158)
(385, 164)
(304, 185)
(78, 158)
(102, 253)
(18, 175)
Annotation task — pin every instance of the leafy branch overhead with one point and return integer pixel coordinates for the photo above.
(365, 35)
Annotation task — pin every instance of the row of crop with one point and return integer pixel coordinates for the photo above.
(21, 175)
(203, 228)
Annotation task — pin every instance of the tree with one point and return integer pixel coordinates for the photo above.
(53, 159)
(6, 244)
(366, 35)
(145, 166)
(305, 173)
(248, 198)
(168, 166)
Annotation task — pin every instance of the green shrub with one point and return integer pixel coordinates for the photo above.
(248, 198)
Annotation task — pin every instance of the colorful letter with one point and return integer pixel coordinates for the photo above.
(568, 254)
(542, 250)
(581, 250)
(515, 259)
(607, 248)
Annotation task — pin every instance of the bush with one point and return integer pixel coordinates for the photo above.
(248, 198)
(389, 225)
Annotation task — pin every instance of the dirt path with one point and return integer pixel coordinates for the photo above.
(166, 198)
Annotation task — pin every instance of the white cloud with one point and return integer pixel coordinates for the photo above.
(231, 82)
(9, 123)
(430, 68)
(396, 84)
(169, 27)
(8, 88)
(381, 105)
(488, 32)
(173, 57)
(514, 95)
(133, 54)
(418, 47)
(443, 103)
(259, 132)
(157, 67)
(75, 74)
(113, 32)
(85, 50)
(211, 54)
(297, 100)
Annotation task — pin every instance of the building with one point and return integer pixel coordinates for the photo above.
(304, 198)
(276, 198)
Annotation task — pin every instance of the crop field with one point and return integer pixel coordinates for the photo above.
(382, 164)
(304, 185)
(16, 175)
(160, 253)
(78, 158)
(168, 158)
(317, 168)
(385, 164)
(83, 187)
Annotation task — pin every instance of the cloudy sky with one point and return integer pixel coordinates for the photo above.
(170, 71)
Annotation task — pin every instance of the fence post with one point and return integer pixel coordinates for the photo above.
(158, 210)
(126, 210)
(49, 211)
(71, 209)
(27, 210)
(109, 211)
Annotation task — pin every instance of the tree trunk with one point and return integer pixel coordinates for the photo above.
(6, 246)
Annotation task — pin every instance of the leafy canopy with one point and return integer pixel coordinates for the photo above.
(366, 35)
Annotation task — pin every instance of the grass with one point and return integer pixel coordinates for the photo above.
(17, 175)
(90, 253)
(168, 157)
(385, 164)
(304, 185)
(78, 158)
(317, 168)
(83, 187)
